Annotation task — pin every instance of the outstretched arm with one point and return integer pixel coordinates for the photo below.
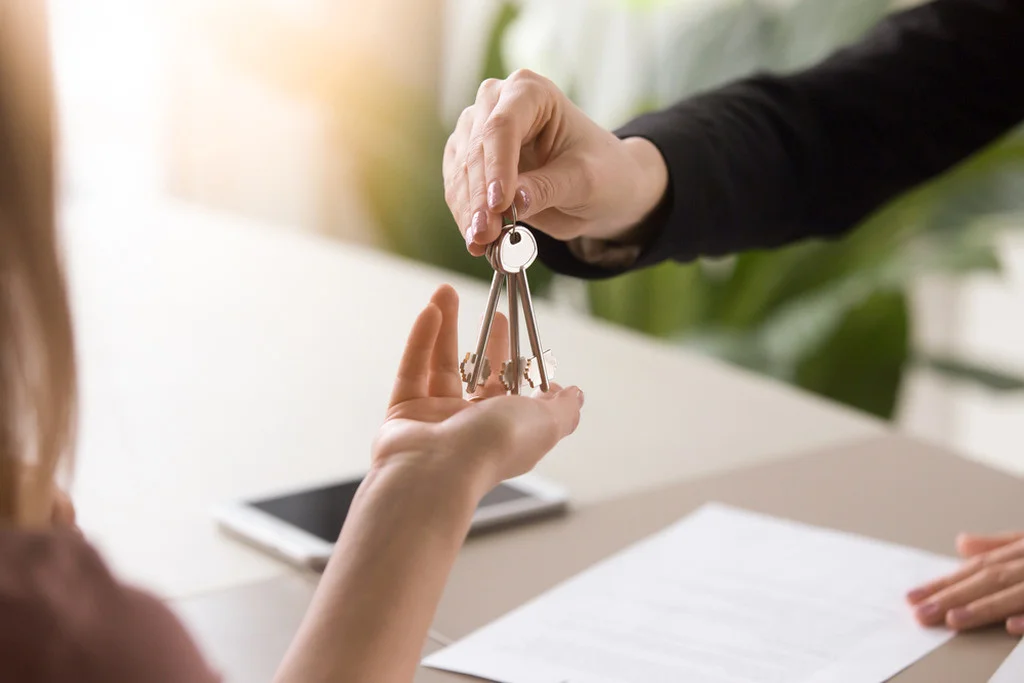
(435, 458)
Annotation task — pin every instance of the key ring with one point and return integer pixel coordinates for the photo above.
(512, 229)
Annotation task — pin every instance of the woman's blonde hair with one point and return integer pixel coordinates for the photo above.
(37, 371)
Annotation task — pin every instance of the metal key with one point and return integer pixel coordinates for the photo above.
(475, 367)
(510, 255)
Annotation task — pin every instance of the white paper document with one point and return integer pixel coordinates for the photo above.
(722, 596)
(1012, 668)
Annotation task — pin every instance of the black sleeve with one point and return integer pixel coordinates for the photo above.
(772, 159)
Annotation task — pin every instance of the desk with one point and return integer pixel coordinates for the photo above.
(891, 488)
(223, 359)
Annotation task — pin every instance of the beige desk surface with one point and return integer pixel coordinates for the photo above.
(223, 359)
(889, 488)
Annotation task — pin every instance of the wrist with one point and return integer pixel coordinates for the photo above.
(462, 482)
(647, 176)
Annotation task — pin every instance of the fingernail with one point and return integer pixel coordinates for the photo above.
(917, 595)
(928, 611)
(478, 226)
(494, 194)
(1015, 624)
(580, 397)
(958, 615)
(524, 200)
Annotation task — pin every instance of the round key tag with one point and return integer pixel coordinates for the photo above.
(515, 251)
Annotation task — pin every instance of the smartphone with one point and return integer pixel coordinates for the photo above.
(300, 527)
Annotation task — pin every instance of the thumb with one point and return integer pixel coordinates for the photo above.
(969, 545)
(557, 185)
(564, 405)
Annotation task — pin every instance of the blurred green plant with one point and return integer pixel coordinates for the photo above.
(830, 317)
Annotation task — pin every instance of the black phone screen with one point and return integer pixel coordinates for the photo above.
(322, 511)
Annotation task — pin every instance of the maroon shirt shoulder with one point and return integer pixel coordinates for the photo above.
(64, 618)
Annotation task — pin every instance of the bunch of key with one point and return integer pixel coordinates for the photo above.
(510, 255)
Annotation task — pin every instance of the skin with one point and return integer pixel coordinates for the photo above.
(433, 460)
(523, 140)
(987, 589)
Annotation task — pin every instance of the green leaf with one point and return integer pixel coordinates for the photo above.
(803, 323)
(973, 373)
(659, 301)
(494, 64)
(861, 364)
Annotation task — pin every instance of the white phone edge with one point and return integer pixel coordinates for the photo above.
(301, 548)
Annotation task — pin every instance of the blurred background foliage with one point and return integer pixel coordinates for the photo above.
(831, 317)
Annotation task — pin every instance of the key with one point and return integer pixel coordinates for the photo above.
(531, 370)
(528, 370)
(510, 377)
(513, 253)
(475, 363)
(532, 332)
(468, 366)
(510, 255)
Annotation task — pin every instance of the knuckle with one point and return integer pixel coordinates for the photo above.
(1003, 575)
(543, 189)
(488, 87)
(474, 158)
(524, 76)
(589, 176)
(450, 196)
(990, 575)
(527, 81)
(987, 560)
(497, 124)
(451, 145)
(465, 121)
(975, 564)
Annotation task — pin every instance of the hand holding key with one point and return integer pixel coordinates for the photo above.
(510, 255)
(524, 140)
(490, 437)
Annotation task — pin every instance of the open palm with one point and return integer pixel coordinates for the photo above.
(428, 415)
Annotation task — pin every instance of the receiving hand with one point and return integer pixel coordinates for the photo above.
(491, 436)
(988, 588)
(524, 140)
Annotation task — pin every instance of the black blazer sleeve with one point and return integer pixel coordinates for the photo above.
(772, 159)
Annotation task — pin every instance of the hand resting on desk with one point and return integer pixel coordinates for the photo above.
(988, 588)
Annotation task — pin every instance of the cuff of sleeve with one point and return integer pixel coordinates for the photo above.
(672, 232)
(677, 229)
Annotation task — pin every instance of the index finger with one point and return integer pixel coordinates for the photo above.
(518, 114)
(413, 376)
(975, 564)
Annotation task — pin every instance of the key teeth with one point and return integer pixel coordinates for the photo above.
(506, 372)
(462, 367)
(531, 368)
(466, 368)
